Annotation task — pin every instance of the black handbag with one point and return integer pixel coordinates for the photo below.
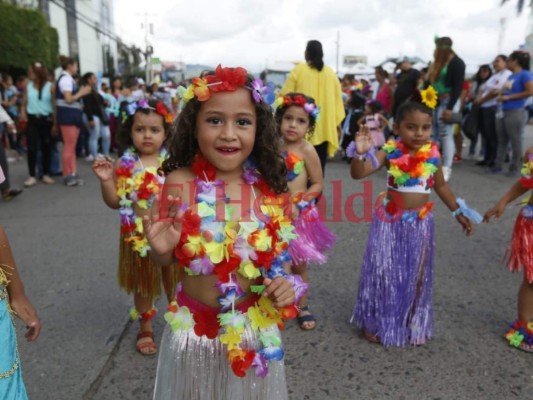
(470, 126)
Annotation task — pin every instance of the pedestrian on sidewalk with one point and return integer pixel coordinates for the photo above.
(394, 305)
(38, 109)
(69, 116)
(131, 187)
(519, 254)
(13, 302)
(5, 188)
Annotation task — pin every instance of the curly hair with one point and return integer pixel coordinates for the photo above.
(280, 111)
(124, 134)
(183, 145)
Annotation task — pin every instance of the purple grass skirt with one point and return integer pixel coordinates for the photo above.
(313, 238)
(394, 296)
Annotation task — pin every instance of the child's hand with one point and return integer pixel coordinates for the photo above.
(468, 229)
(363, 140)
(496, 211)
(25, 311)
(103, 169)
(280, 291)
(163, 230)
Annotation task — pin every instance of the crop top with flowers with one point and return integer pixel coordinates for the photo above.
(411, 173)
(294, 165)
(211, 243)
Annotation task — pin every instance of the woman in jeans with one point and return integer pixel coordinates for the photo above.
(446, 74)
(38, 109)
(94, 109)
(69, 116)
(510, 122)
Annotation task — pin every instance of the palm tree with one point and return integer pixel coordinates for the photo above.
(520, 5)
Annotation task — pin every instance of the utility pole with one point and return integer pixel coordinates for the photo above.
(338, 43)
(148, 49)
(501, 34)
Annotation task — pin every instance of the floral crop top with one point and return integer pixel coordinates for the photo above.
(294, 164)
(411, 173)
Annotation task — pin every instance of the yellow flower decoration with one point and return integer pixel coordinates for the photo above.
(429, 97)
(257, 319)
(232, 337)
(248, 270)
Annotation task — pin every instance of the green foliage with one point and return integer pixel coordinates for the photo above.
(26, 37)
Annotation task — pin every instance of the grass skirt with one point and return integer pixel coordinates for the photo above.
(140, 275)
(520, 252)
(395, 284)
(197, 368)
(11, 384)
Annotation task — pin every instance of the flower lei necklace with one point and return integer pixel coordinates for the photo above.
(139, 187)
(526, 180)
(253, 249)
(405, 169)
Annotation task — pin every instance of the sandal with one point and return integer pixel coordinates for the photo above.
(144, 346)
(521, 335)
(372, 338)
(305, 318)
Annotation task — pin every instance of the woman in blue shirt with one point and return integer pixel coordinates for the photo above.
(511, 123)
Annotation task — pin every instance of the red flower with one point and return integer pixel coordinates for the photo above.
(299, 100)
(527, 183)
(224, 268)
(240, 365)
(161, 109)
(229, 78)
(430, 182)
(264, 259)
(201, 166)
(206, 323)
(391, 208)
(262, 185)
(124, 172)
(190, 225)
(289, 312)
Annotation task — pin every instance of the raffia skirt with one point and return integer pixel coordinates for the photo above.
(140, 275)
(520, 251)
(196, 368)
(395, 284)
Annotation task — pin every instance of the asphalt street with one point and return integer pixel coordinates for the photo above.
(65, 241)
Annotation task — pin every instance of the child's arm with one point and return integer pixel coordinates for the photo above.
(314, 172)
(163, 227)
(103, 169)
(361, 168)
(516, 191)
(384, 121)
(17, 297)
(448, 198)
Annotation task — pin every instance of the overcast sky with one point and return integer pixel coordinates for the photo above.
(259, 33)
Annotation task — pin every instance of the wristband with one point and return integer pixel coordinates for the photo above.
(468, 212)
(369, 155)
(298, 285)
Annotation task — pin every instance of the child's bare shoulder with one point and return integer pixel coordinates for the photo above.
(308, 150)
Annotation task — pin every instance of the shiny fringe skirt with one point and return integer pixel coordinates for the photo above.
(11, 384)
(196, 368)
(140, 275)
(520, 251)
(395, 284)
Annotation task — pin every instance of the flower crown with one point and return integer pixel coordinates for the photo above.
(132, 107)
(310, 108)
(428, 97)
(226, 80)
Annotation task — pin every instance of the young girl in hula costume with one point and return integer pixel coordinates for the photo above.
(296, 116)
(520, 255)
(13, 301)
(223, 221)
(131, 186)
(394, 299)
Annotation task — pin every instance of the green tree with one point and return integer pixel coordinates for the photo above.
(26, 37)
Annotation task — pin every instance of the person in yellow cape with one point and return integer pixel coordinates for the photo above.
(317, 80)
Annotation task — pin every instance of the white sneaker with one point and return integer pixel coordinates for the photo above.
(89, 158)
(447, 172)
(31, 181)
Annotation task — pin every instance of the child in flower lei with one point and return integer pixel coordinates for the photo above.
(520, 255)
(296, 116)
(231, 243)
(131, 187)
(393, 304)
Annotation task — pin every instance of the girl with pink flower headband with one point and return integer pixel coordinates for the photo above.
(222, 217)
(131, 187)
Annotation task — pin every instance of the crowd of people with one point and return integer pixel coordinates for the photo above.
(219, 204)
